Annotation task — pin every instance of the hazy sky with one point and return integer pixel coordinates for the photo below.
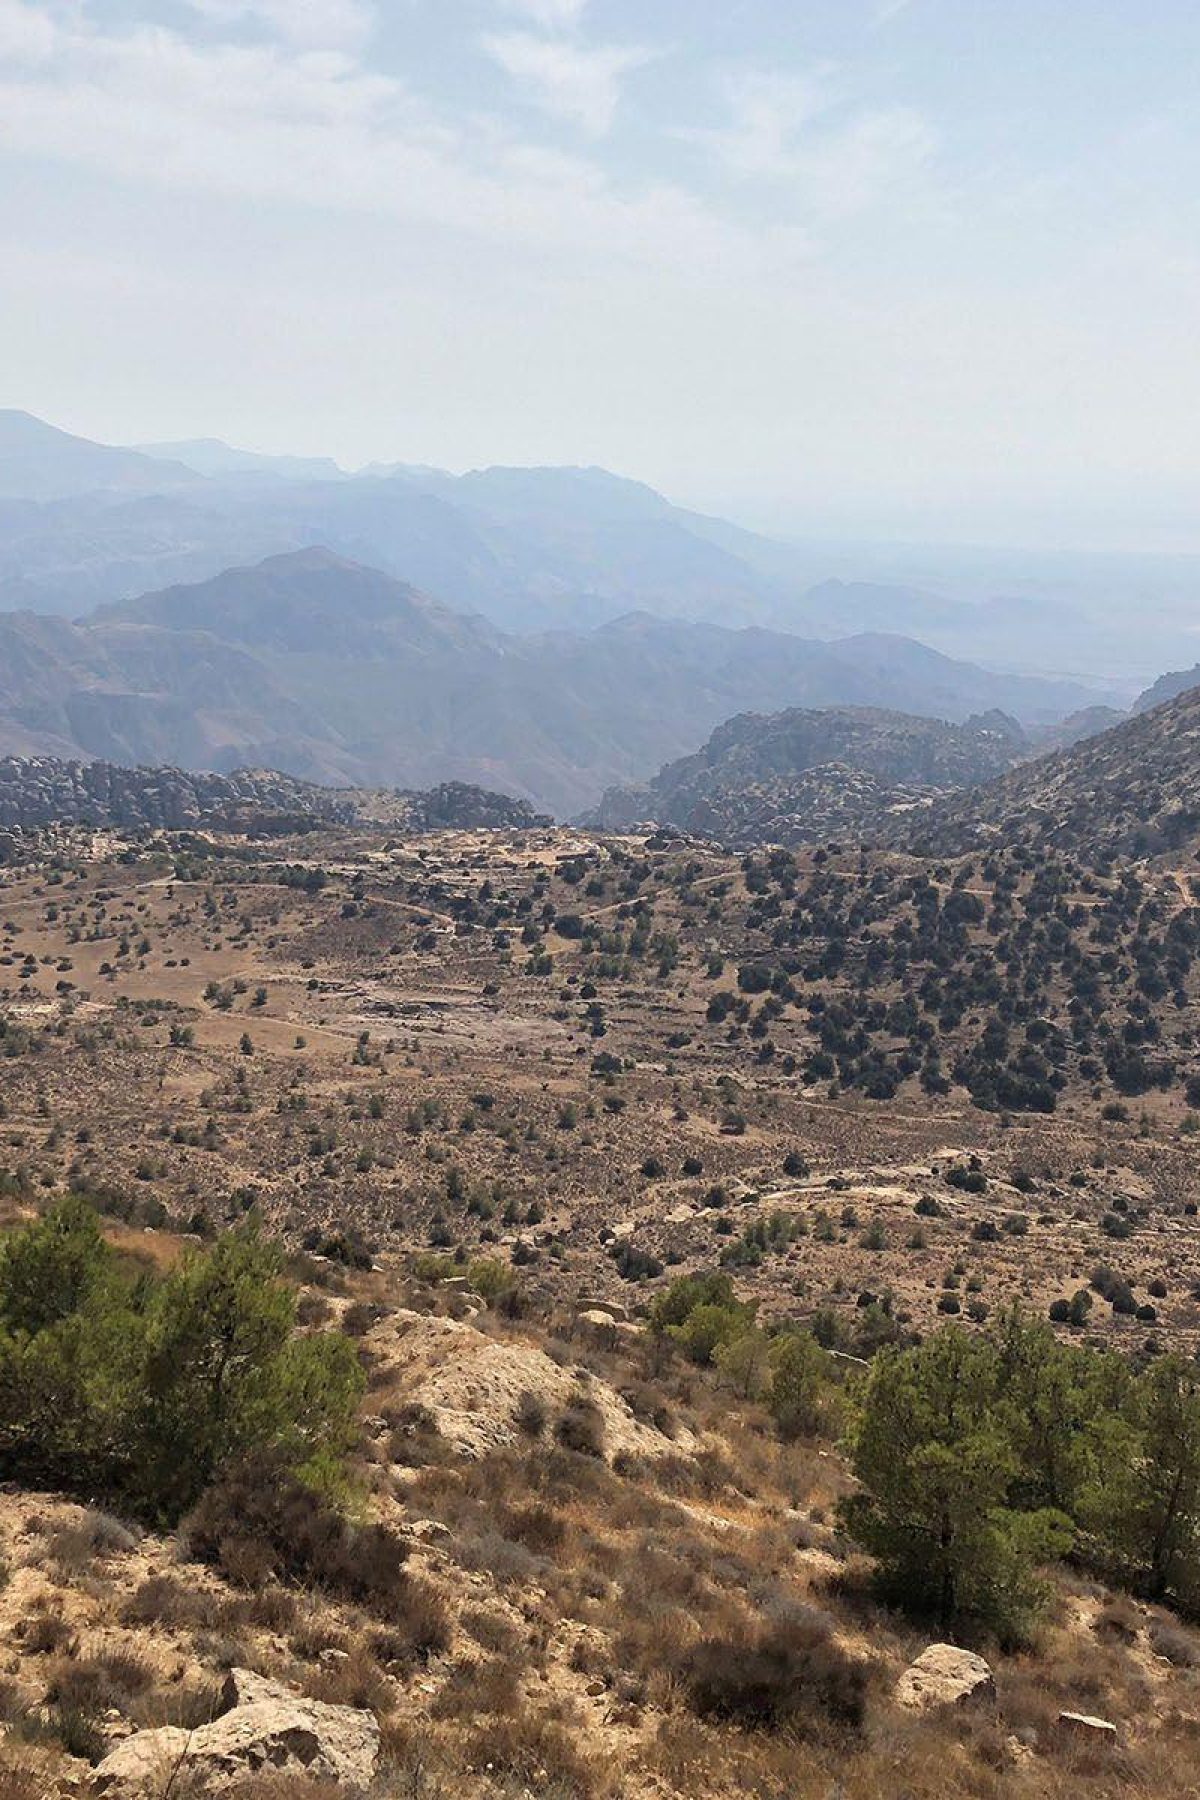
(896, 267)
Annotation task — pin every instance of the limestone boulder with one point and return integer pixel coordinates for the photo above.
(944, 1675)
(267, 1731)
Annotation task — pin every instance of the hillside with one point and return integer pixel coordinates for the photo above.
(556, 1190)
(340, 674)
(1132, 791)
(804, 776)
(36, 792)
(1167, 687)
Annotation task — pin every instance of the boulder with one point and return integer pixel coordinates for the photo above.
(1086, 1726)
(267, 1731)
(613, 1308)
(944, 1675)
(145, 1763)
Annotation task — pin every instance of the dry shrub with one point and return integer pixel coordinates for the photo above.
(314, 1635)
(481, 1547)
(538, 1752)
(258, 1522)
(422, 1633)
(186, 1706)
(42, 1633)
(531, 1414)
(166, 1600)
(414, 1439)
(491, 1631)
(1170, 1639)
(791, 1674)
(705, 1476)
(359, 1317)
(490, 1687)
(356, 1680)
(1120, 1619)
(93, 1684)
(649, 1406)
(18, 1783)
(281, 1787)
(272, 1608)
(539, 1528)
(74, 1548)
(581, 1429)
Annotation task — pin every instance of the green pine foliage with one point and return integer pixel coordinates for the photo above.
(140, 1387)
(982, 1457)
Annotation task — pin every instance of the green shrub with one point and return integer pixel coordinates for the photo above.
(139, 1387)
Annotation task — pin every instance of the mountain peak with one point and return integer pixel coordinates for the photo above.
(40, 462)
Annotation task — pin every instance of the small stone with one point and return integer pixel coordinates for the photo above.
(1085, 1725)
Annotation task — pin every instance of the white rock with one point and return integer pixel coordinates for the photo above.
(268, 1731)
(1085, 1725)
(944, 1675)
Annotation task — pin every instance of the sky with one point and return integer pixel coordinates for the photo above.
(923, 269)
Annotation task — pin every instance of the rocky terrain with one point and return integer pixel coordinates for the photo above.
(1130, 791)
(614, 1171)
(802, 777)
(41, 792)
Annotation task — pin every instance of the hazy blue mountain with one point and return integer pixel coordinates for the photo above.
(39, 462)
(329, 670)
(546, 548)
(214, 458)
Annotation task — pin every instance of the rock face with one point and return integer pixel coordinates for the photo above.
(268, 1731)
(944, 1675)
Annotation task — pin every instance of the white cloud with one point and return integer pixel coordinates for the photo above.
(307, 24)
(552, 15)
(796, 130)
(865, 162)
(318, 128)
(567, 80)
(767, 113)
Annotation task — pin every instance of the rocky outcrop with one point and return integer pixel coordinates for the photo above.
(944, 1675)
(806, 775)
(268, 1731)
(41, 791)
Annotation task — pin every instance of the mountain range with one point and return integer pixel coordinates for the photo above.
(82, 524)
(339, 673)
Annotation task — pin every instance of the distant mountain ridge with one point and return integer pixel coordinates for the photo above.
(803, 776)
(531, 549)
(39, 462)
(342, 674)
